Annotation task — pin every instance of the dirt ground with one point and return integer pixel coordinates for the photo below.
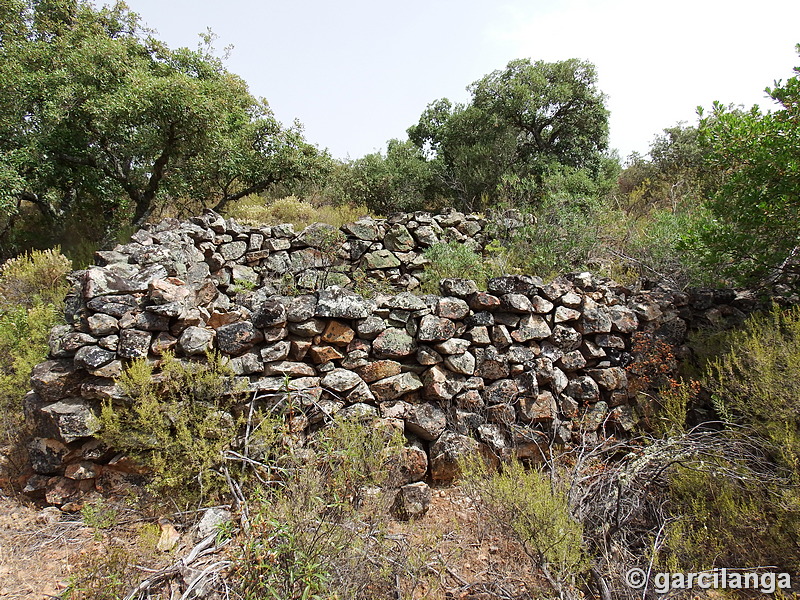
(40, 549)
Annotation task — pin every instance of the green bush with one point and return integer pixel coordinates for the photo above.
(321, 530)
(453, 259)
(177, 422)
(35, 278)
(32, 289)
(533, 506)
(724, 515)
(756, 382)
(258, 210)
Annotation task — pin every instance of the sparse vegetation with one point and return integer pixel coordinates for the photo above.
(176, 423)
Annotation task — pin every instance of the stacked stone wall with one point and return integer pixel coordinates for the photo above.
(513, 368)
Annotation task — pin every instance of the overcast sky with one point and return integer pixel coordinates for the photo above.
(359, 72)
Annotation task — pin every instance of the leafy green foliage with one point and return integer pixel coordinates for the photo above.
(453, 259)
(257, 210)
(521, 122)
(534, 507)
(32, 289)
(176, 423)
(399, 181)
(756, 381)
(754, 232)
(725, 517)
(98, 117)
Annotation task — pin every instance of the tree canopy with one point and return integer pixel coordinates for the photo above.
(755, 231)
(521, 122)
(97, 116)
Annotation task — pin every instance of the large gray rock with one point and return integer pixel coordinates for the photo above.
(340, 303)
(393, 343)
(412, 501)
(441, 384)
(66, 420)
(237, 338)
(435, 329)
(426, 421)
(340, 380)
(395, 386)
(56, 379)
(196, 340)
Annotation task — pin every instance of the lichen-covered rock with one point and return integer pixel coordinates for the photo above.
(193, 341)
(426, 421)
(56, 379)
(339, 303)
(237, 338)
(412, 501)
(395, 386)
(393, 343)
(340, 380)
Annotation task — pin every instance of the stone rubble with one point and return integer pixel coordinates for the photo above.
(510, 369)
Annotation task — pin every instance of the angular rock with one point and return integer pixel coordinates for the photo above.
(491, 364)
(393, 343)
(93, 357)
(441, 384)
(612, 378)
(195, 340)
(452, 308)
(460, 288)
(539, 409)
(531, 327)
(395, 386)
(461, 363)
(412, 501)
(292, 369)
(435, 329)
(338, 333)
(340, 380)
(55, 379)
(380, 259)
(409, 465)
(583, 388)
(516, 303)
(566, 338)
(426, 421)
(340, 303)
(66, 420)
(46, 455)
(237, 338)
(323, 354)
(453, 346)
(267, 311)
(398, 239)
(370, 327)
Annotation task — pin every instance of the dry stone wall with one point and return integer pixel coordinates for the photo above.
(513, 368)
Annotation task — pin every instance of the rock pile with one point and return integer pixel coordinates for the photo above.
(513, 368)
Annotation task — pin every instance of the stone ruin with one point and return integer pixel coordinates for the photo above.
(514, 368)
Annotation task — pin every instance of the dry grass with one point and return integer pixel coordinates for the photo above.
(256, 210)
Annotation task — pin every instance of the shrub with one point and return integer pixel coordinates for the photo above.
(453, 259)
(35, 278)
(756, 382)
(32, 289)
(533, 506)
(257, 210)
(176, 422)
(726, 515)
(321, 531)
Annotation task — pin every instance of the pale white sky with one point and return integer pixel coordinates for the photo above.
(359, 72)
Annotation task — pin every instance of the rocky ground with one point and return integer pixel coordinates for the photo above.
(42, 551)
